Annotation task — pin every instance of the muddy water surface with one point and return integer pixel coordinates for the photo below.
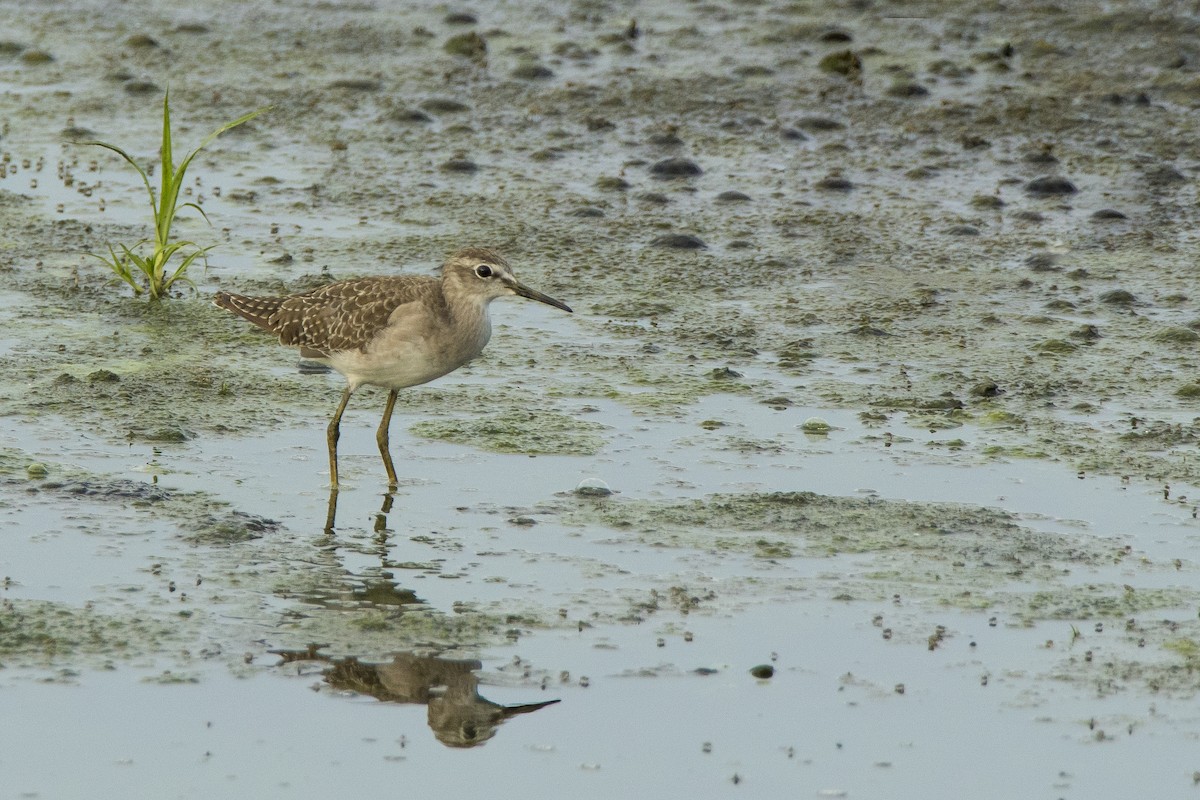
(865, 468)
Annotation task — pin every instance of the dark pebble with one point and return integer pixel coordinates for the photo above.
(141, 40)
(679, 241)
(1118, 297)
(468, 45)
(676, 168)
(793, 135)
(1108, 214)
(834, 36)
(141, 87)
(762, 671)
(733, 197)
(843, 62)
(724, 374)
(1030, 216)
(103, 376)
(589, 212)
(357, 84)
(1042, 262)
(1041, 156)
(907, 89)
(987, 201)
(657, 198)
(532, 72)
(664, 139)
(607, 183)
(460, 18)
(462, 165)
(963, 230)
(441, 105)
(834, 183)
(1164, 175)
(819, 124)
(986, 389)
(1049, 185)
(407, 116)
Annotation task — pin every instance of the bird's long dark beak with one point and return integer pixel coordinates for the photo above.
(534, 294)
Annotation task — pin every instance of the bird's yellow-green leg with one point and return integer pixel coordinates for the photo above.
(332, 435)
(381, 437)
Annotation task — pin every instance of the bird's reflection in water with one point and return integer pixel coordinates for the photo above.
(458, 715)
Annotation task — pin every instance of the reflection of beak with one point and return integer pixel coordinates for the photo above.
(533, 294)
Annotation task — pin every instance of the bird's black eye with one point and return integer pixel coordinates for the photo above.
(483, 271)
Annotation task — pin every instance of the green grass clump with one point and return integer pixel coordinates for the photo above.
(148, 273)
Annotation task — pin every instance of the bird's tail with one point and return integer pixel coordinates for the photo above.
(255, 309)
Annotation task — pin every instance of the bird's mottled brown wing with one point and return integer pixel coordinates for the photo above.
(347, 315)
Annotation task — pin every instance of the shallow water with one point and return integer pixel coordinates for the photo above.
(979, 580)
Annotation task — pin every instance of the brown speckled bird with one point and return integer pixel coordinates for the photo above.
(393, 332)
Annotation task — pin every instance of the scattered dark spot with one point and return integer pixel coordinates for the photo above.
(459, 18)
(843, 62)
(1041, 156)
(834, 183)
(867, 330)
(1087, 333)
(463, 166)
(10, 49)
(1042, 262)
(657, 198)
(357, 84)
(141, 40)
(813, 124)
(988, 201)
(1118, 297)
(1050, 185)
(406, 116)
(724, 374)
(532, 72)
(596, 124)
(442, 105)
(588, 212)
(753, 71)
(468, 45)
(676, 168)
(986, 389)
(835, 35)
(36, 57)
(733, 197)
(606, 183)
(1030, 216)
(192, 27)
(138, 86)
(907, 89)
(679, 241)
(1107, 215)
(1164, 175)
(963, 230)
(664, 139)
(793, 135)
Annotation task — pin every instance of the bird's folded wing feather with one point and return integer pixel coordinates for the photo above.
(348, 315)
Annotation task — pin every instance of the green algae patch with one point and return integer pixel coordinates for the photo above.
(541, 433)
(816, 525)
(36, 632)
(1100, 601)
